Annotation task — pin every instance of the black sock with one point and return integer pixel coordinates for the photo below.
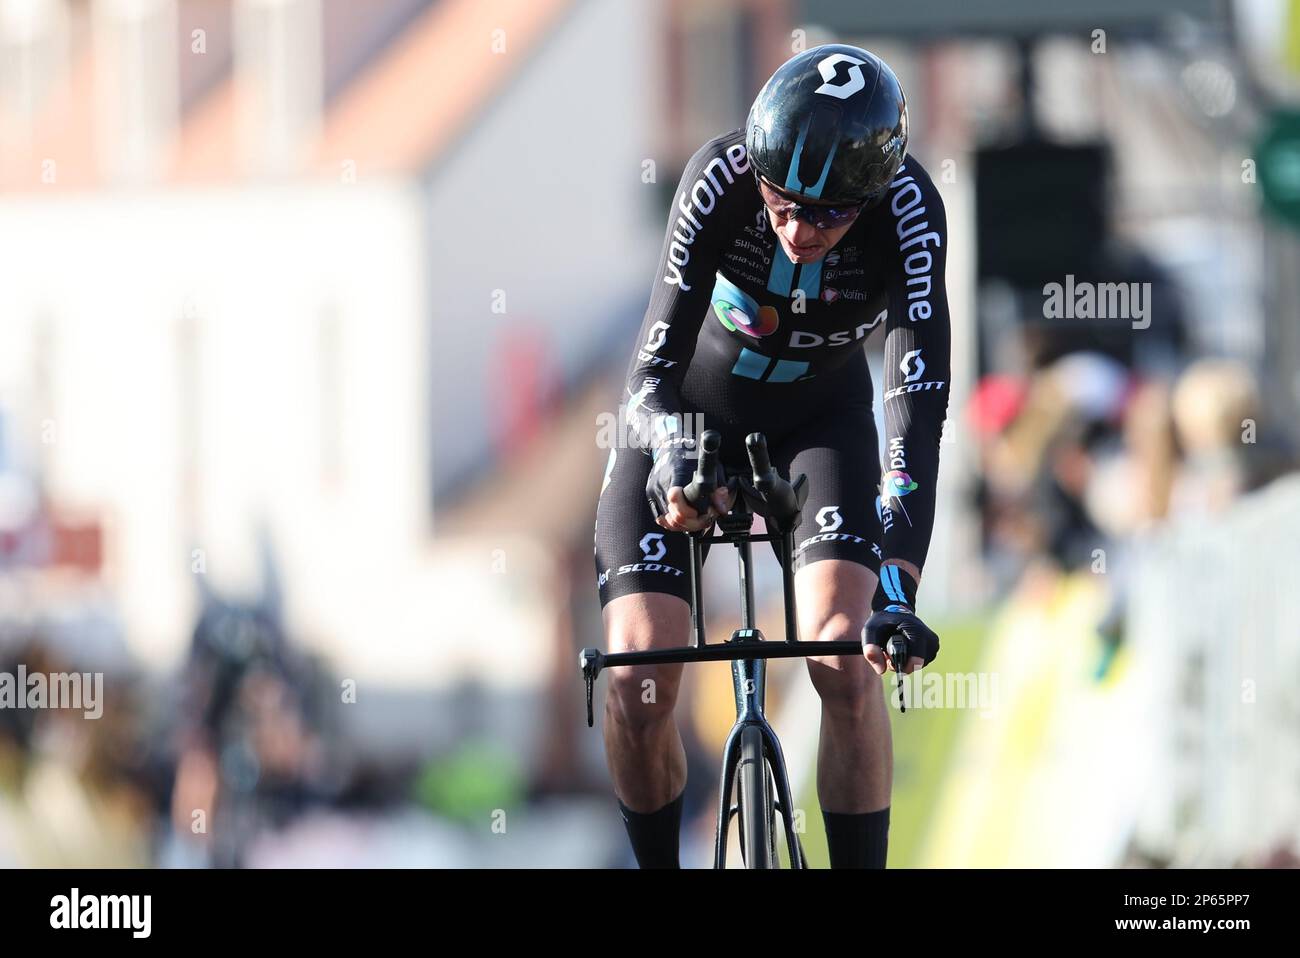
(857, 841)
(654, 834)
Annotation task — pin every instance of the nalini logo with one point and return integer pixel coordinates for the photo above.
(829, 518)
(851, 79)
(652, 546)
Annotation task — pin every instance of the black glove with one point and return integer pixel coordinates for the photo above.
(900, 620)
(895, 604)
(674, 465)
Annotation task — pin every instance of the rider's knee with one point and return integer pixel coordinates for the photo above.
(644, 695)
(842, 681)
(845, 685)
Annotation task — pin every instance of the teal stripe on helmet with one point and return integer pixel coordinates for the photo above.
(792, 181)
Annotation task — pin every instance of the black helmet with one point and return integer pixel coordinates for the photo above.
(831, 125)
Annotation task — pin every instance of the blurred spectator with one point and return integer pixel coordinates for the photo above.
(250, 754)
(1215, 411)
(71, 790)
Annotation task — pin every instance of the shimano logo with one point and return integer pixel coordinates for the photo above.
(700, 202)
(912, 232)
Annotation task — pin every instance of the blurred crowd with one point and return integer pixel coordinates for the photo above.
(1082, 456)
(245, 754)
(184, 768)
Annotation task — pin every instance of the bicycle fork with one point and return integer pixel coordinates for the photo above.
(749, 678)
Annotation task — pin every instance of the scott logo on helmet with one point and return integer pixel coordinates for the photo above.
(858, 142)
(841, 91)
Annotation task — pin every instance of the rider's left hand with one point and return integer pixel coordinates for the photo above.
(891, 621)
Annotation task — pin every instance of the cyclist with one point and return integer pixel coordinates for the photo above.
(788, 242)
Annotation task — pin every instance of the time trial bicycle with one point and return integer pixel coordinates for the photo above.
(753, 765)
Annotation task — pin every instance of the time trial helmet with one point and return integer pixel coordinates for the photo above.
(830, 125)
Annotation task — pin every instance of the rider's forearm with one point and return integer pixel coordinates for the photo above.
(906, 566)
(897, 587)
(917, 368)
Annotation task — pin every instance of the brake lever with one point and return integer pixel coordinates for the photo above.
(897, 647)
(591, 661)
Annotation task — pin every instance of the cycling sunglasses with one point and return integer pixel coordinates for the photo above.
(822, 217)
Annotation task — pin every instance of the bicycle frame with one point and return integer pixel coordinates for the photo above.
(748, 651)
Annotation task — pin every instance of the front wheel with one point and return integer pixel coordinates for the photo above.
(755, 801)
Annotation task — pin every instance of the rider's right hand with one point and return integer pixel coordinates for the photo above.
(673, 470)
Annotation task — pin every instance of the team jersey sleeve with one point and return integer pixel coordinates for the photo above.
(680, 296)
(916, 366)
